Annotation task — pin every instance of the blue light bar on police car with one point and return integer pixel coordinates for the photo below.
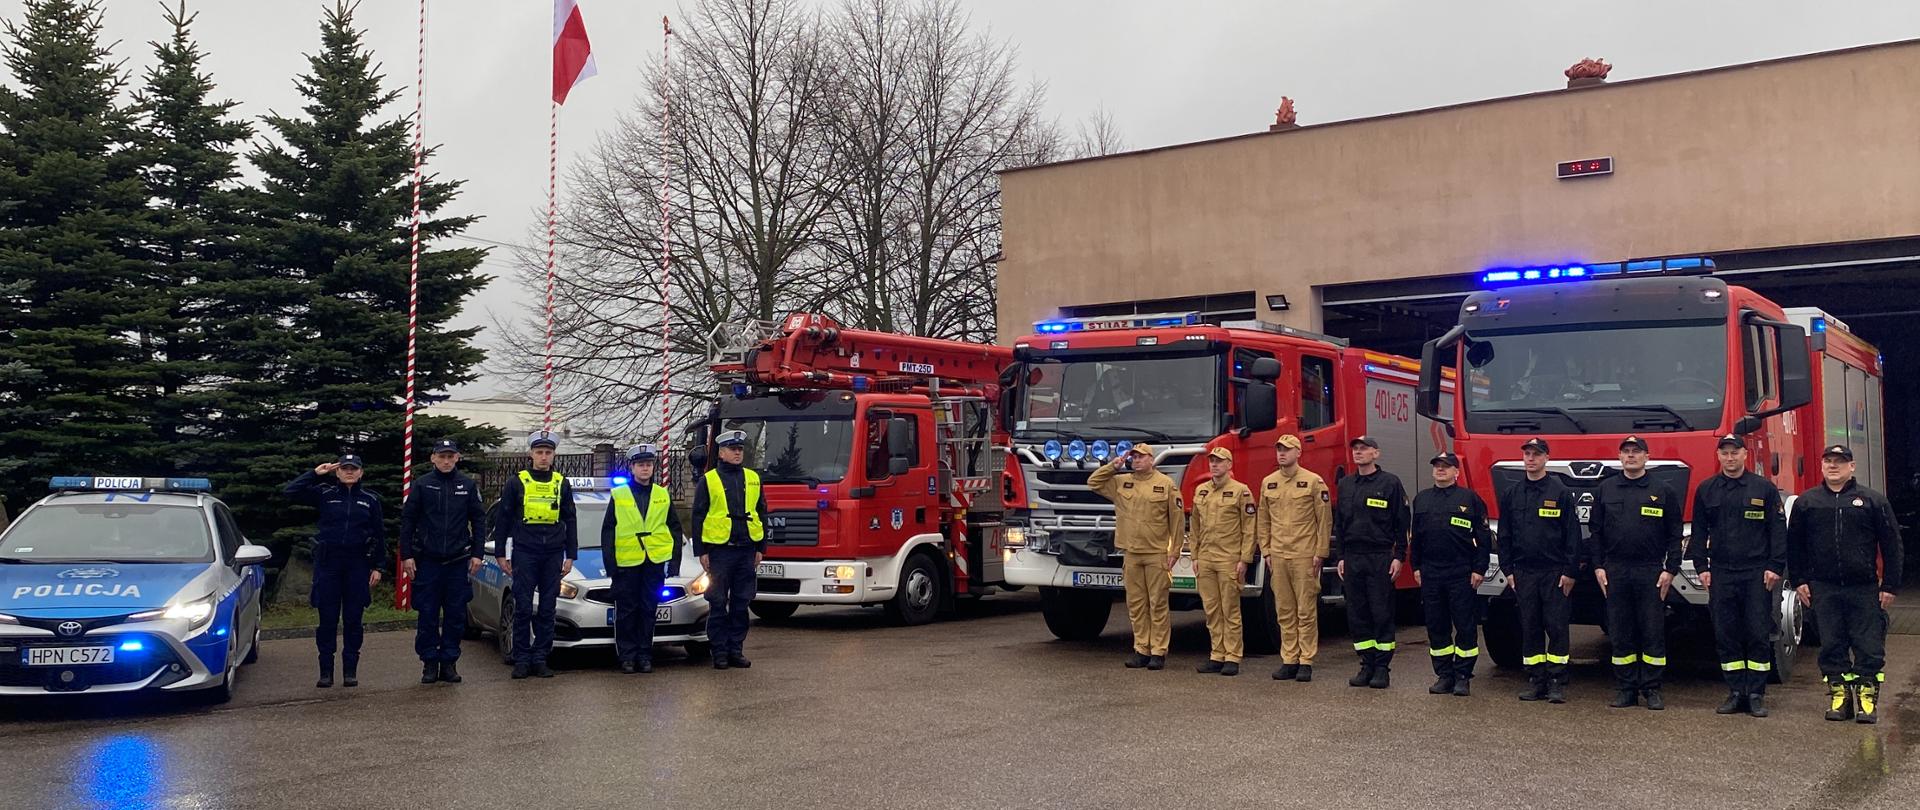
(107, 483)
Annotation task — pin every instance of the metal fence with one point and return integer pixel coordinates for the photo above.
(493, 471)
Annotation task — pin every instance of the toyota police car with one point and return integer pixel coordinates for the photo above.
(583, 613)
(124, 584)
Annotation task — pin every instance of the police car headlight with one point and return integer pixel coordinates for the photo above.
(569, 590)
(699, 585)
(196, 613)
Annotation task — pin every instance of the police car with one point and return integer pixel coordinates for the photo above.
(123, 584)
(583, 613)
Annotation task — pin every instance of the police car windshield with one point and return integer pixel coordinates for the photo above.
(1122, 398)
(109, 532)
(797, 450)
(1603, 376)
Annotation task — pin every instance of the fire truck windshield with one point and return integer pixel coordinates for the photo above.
(806, 449)
(1599, 378)
(1153, 398)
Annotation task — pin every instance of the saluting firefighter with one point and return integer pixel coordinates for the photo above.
(1634, 537)
(1149, 529)
(639, 537)
(731, 510)
(1370, 523)
(1451, 542)
(443, 527)
(1739, 548)
(1293, 527)
(349, 546)
(1538, 543)
(1222, 542)
(1843, 547)
(538, 540)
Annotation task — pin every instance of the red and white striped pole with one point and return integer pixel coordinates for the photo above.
(553, 173)
(403, 584)
(666, 230)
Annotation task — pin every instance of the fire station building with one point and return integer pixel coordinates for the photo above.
(1798, 178)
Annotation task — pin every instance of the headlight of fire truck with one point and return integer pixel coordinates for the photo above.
(1016, 537)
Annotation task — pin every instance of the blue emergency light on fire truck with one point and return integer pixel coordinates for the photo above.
(123, 583)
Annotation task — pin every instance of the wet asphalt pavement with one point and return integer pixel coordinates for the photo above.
(988, 710)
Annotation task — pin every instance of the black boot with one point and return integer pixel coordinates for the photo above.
(1230, 668)
(1136, 660)
(1536, 690)
(430, 672)
(1363, 677)
(1732, 704)
(646, 665)
(521, 670)
(350, 670)
(738, 661)
(1441, 686)
(1556, 693)
(540, 670)
(448, 673)
(1841, 702)
(326, 673)
(1210, 667)
(1866, 699)
(629, 667)
(1306, 674)
(1156, 662)
(1757, 705)
(1286, 672)
(1461, 689)
(1379, 679)
(719, 663)
(1624, 698)
(1655, 701)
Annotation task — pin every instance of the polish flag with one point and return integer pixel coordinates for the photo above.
(572, 53)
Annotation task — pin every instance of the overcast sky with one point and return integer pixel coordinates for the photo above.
(1168, 72)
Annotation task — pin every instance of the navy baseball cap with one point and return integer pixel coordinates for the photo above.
(1537, 444)
(542, 438)
(642, 452)
(1366, 440)
(351, 460)
(446, 446)
(1633, 441)
(1730, 440)
(1448, 459)
(1838, 451)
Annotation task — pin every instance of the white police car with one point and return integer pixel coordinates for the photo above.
(124, 584)
(583, 611)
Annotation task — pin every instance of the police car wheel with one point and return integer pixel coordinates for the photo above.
(503, 636)
(1502, 632)
(773, 611)
(253, 650)
(224, 691)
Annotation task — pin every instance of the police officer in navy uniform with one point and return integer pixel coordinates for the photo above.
(1843, 548)
(1739, 548)
(730, 509)
(537, 516)
(639, 540)
(1635, 547)
(442, 529)
(349, 546)
(1449, 555)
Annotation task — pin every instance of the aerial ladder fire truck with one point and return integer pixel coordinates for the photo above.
(883, 458)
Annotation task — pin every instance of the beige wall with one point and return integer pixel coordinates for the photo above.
(1806, 151)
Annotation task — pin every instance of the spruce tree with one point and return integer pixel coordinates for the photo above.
(335, 202)
(75, 385)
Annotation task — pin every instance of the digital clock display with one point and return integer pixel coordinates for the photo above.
(1583, 168)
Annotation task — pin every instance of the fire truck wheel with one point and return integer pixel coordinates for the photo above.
(917, 599)
(773, 611)
(1075, 615)
(1260, 627)
(1503, 632)
(1789, 631)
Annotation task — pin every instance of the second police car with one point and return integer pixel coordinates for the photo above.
(583, 613)
(124, 584)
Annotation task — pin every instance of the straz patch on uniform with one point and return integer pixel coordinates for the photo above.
(1755, 514)
(1549, 513)
(1300, 484)
(1127, 485)
(1652, 511)
(1377, 503)
(1273, 485)
(1461, 522)
(1159, 490)
(1323, 496)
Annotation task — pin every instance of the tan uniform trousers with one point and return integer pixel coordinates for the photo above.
(1147, 581)
(1220, 596)
(1296, 603)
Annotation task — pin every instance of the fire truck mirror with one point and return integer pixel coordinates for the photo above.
(899, 441)
(1796, 367)
(1261, 405)
(897, 465)
(1264, 369)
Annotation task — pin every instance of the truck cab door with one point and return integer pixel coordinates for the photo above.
(1316, 414)
(899, 469)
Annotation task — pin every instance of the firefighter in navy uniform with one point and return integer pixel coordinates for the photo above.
(537, 515)
(349, 547)
(1635, 542)
(1739, 548)
(639, 537)
(1370, 524)
(1539, 546)
(1449, 551)
(1843, 548)
(442, 529)
(730, 509)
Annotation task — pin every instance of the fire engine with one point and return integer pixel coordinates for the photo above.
(881, 456)
(1589, 358)
(1085, 390)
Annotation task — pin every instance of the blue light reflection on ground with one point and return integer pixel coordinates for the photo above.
(123, 770)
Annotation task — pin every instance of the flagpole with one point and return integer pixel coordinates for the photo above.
(666, 229)
(403, 584)
(553, 170)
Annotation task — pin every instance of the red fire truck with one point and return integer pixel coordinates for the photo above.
(1677, 360)
(882, 459)
(1087, 389)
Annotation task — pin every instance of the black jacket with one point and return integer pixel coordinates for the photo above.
(1449, 531)
(1738, 525)
(1848, 537)
(350, 524)
(641, 498)
(734, 483)
(442, 519)
(1370, 515)
(1539, 528)
(563, 536)
(1636, 522)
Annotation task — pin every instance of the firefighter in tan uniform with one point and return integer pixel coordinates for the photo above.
(1293, 527)
(1149, 528)
(1222, 543)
